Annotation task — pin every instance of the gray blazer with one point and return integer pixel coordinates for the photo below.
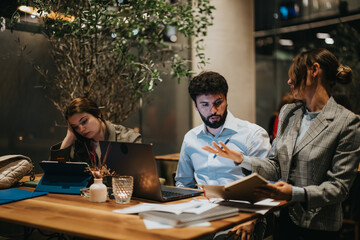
(324, 163)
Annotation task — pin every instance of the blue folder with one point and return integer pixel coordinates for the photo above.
(15, 194)
(60, 177)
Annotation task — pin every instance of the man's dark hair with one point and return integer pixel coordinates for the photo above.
(207, 83)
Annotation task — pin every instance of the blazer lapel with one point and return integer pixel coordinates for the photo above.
(295, 122)
(319, 124)
(294, 126)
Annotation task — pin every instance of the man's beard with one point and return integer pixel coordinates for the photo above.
(215, 124)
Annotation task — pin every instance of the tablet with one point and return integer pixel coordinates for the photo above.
(60, 177)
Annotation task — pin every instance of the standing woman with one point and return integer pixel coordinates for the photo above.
(315, 154)
(86, 127)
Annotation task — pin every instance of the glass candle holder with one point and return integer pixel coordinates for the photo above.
(122, 187)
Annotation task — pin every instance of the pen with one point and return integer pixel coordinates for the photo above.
(226, 141)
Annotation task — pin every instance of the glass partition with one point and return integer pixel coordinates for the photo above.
(285, 28)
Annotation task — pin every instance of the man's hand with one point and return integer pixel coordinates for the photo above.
(278, 191)
(242, 231)
(224, 151)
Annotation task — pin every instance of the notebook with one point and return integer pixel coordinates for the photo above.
(60, 177)
(189, 218)
(137, 160)
(15, 194)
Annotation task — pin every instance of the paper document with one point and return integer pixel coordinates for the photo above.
(261, 207)
(187, 219)
(197, 206)
(157, 225)
(181, 214)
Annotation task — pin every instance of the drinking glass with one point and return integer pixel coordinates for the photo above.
(122, 187)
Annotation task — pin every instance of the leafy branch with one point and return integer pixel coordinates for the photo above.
(115, 53)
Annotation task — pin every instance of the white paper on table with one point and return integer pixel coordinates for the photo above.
(200, 206)
(260, 207)
(135, 209)
(156, 225)
(267, 202)
(193, 206)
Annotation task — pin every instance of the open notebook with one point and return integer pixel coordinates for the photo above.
(137, 160)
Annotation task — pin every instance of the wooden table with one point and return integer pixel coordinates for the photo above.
(169, 157)
(76, 216)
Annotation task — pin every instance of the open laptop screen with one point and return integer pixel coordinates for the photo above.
(137, 160)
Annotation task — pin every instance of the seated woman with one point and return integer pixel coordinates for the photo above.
(315, 156)
(86, 127)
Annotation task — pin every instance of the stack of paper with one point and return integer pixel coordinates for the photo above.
(194, 212)
(182, 214)
(189, 218)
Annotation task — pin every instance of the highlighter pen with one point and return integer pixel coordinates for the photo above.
(226, 141)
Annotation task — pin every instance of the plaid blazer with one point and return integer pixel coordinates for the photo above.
(324, 162)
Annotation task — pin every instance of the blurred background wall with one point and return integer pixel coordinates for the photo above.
(230, 47)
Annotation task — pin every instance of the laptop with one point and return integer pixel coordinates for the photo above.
(60, 177)
(137, 160)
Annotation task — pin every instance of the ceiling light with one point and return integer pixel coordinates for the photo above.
(329, 41)
(53, 15)
(286, 42)
(173, 38)
(322, 35)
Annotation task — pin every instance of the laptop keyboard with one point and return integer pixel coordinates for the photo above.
(169, 194)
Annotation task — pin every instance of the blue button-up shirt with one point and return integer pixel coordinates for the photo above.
(197, 166)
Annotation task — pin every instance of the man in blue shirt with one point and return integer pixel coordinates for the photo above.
(208, 91)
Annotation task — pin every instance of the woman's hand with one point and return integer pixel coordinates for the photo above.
(277, 191)
(69, 138)
(224, 151)
(242, 231)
